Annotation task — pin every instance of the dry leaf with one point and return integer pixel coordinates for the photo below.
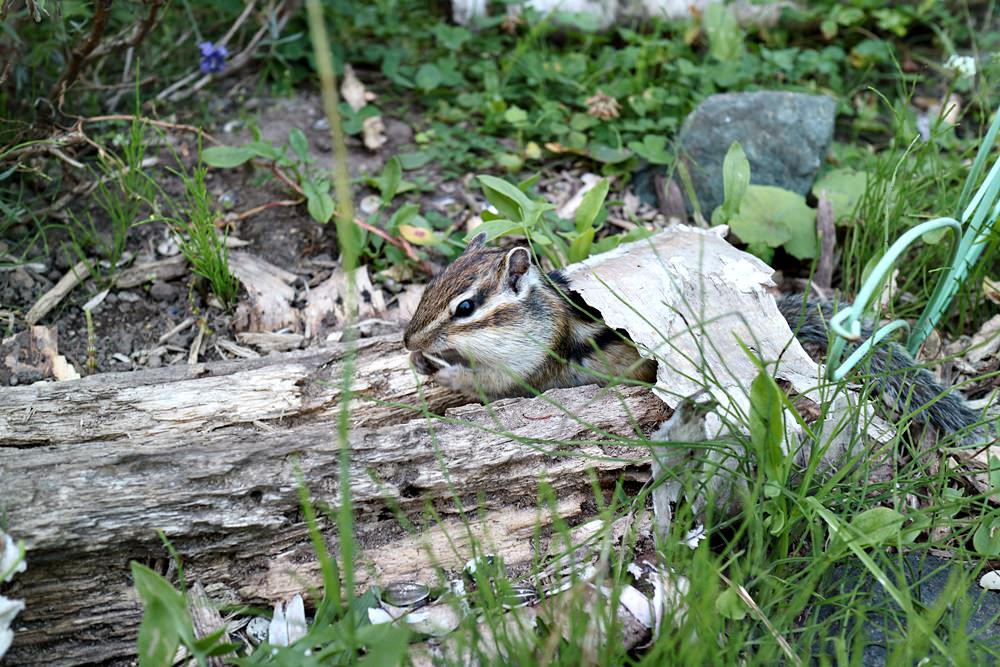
(417, 235)
(352, 90)
(991, 289)
(373, 133)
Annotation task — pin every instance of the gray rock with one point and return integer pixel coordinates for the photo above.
(882, 623)
(784, 135)
(163, 291)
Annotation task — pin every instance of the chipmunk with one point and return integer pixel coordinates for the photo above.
(492, 325)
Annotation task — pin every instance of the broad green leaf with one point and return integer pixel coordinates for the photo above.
(735, 181)
(591, 205)
(725, 39)
(386, 645)
(428, 77)
(392, 176)
(510, 161)
(774, 217)
(775, 521)
(579, 249)
(767, 424)
(511, 202)
(529, 182)
(876, 526)
(609, 155)
(414, 160)
(652, 148)
(844, 188)
(495, 229)
(614, 240)
(165, 618)
(516, 116)
(300, 145)
(403, 216)
(157, 641)
(318, 201)
(264, 149)
(227, 156)
(729, 605)
(451, 37)
(986, 539)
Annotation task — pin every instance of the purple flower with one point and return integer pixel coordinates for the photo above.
(213, 58)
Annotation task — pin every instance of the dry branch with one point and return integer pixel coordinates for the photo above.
(209, 454)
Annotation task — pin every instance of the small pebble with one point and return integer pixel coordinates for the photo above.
(128, 297)
(154, 361)
(257, 629)
(163, 291)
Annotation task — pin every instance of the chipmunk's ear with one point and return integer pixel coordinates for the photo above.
(516, 265)
(477, 242)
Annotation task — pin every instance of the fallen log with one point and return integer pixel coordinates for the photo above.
(210, 455)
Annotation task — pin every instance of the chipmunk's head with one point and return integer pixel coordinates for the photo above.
(485, 308)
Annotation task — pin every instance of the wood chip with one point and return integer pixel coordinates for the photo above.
(51, 299)
(33, 355)
(269, 293)
(827, 231)
(170, 268)
(326, 303)
(272, 342)
(176, 330)
(236, 350)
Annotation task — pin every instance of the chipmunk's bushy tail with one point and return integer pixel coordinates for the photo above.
(897, 378)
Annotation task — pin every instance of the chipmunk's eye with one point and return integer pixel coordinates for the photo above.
(464, 308)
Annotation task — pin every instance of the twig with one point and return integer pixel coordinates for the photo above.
(827, 231)
(196, 344)
(176, 330)
(149, 121)
(51, 299)
(117, 86)
(102, 10)
(138, 34)
(399, 243)
(744, 595)
(63, 140)
(240, 20)
(284, 178)
(236, 217)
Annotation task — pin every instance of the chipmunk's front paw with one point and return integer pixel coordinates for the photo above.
(457, 378)
(422, 364)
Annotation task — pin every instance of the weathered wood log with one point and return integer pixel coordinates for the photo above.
(208, 396)
(211, 454)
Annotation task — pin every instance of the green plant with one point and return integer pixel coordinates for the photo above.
(167, 624)
(294, 168)
(562, 242)
(200, 241)
(122, 191)
(763, 216)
